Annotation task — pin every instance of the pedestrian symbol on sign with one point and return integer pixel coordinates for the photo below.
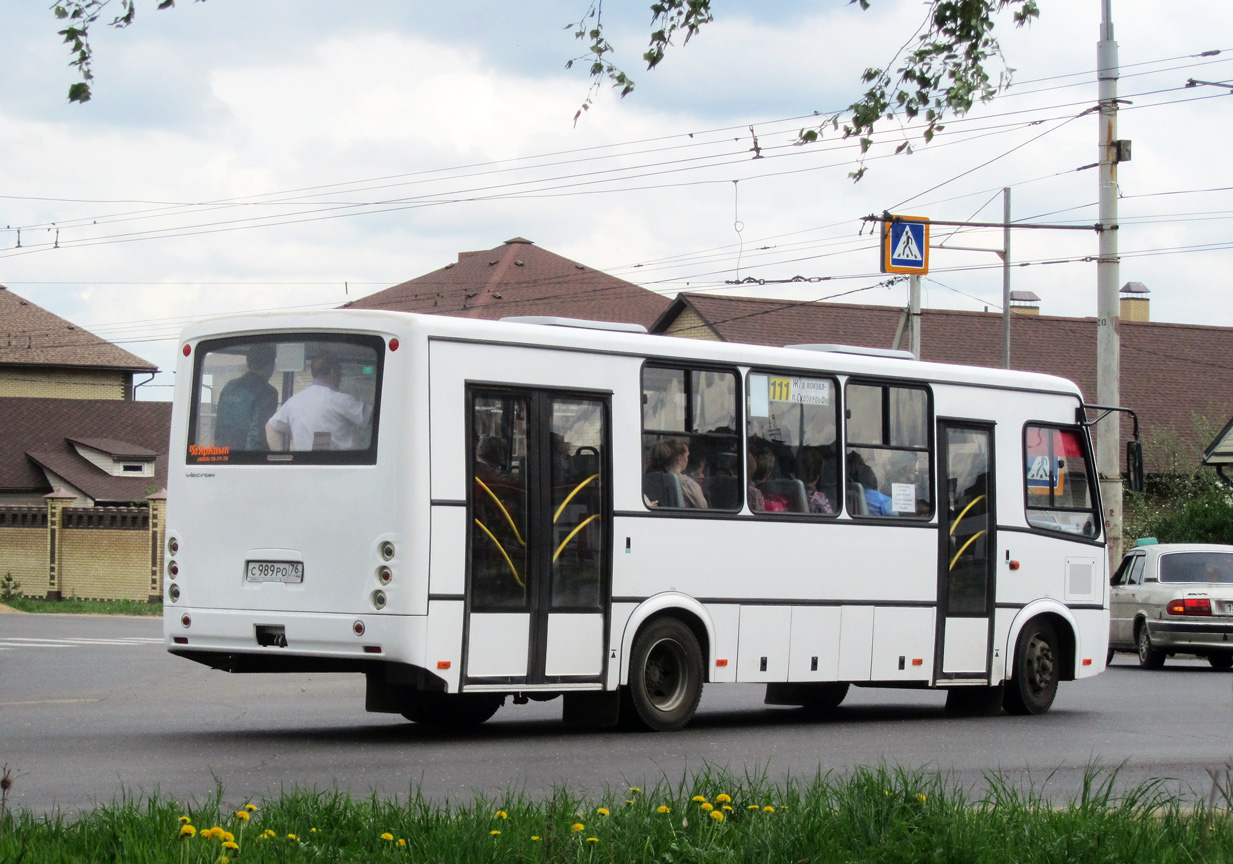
(905, 244)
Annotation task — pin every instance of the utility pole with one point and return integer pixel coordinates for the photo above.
(1005, 277)
(1108, 349)
(914, 315)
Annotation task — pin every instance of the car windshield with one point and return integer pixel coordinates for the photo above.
(1197, 567)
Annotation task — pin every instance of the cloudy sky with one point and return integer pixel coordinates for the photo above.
(299, 153)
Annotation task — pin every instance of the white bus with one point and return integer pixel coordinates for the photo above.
(473, 511)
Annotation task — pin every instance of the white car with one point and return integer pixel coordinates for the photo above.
(1173, 598)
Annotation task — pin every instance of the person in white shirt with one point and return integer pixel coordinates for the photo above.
(320, 417)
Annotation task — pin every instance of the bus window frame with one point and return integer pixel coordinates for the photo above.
(689, 367)
(205, 347)
(838, 386)
(1094, 508)
(930, 447)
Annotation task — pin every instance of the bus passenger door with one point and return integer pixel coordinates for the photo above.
(539, 537)
(967, 550)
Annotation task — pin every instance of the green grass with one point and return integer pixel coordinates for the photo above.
(877, 815)
(85, 607)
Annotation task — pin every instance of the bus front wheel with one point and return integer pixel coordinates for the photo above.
(1037, 669)
(665, 675)
(453, 709)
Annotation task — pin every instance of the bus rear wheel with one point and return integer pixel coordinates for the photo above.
(665, 675)
(453, 709)
(1037, 670)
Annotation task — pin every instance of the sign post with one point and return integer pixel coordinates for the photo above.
(905, 249)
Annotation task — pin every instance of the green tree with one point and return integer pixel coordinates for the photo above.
(941, 69)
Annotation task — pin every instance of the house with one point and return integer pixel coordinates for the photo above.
(1171, 374)
(519, 278)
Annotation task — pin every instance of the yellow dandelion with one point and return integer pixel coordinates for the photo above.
(313, 830)
(401, 842)
(501, 814)
(717, 815)
(187, 830)
(728, 807)
(698, 798)
(723, 798)
(242, 815)
(231, 844)
(663, 808)
(251, 808)
(768, 809)
(293, 837)
(629, 800)
(923, 798)
(592, 839)
(752, 807)
(269, 832)
(494, 833)
(602, 811)
(635, 788)
(223, 859)
(387, 836)
(577, 826)
(705, 807)
(184, 820)
(534, 836)
(227, 836)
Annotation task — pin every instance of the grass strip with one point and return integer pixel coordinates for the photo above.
(73, 606)
(881, 815)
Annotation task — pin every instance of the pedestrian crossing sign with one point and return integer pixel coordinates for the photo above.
(905, 244)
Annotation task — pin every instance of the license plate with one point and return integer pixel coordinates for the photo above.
(274, 571)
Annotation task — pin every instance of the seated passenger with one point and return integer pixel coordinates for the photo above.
(756, 502)
(878, 503)
(811, 462)
(671, 455)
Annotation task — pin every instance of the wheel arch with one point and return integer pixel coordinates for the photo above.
(670, 604)
(1064, 626)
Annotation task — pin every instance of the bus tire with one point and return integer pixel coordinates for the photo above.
(1221, 660)
(665, 675)
(1150, 657)
(453, 709)
(1033, 684)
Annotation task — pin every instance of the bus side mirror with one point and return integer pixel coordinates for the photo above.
(1134, 465)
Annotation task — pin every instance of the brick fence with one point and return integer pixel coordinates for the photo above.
(89, 553)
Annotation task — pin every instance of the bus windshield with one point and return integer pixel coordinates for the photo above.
(309, 398)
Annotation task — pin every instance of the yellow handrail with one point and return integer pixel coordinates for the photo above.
(508, 517)
(581, 525)
(963, 547)
(501, 549)
(570, 496)
(964, 511)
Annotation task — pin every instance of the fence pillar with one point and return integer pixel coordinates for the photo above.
(158, 534)
(57, 500)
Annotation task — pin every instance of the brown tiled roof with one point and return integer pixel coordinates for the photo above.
(1170, 373)
(520, 278)
(38, 431)
(32, 336)
(116, 449)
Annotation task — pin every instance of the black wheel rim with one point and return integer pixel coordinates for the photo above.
(1039, 666)
(665, 675)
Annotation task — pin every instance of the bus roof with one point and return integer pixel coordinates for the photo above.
(604, 339)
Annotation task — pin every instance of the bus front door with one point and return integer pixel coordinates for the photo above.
(539, 536)
(966, 552)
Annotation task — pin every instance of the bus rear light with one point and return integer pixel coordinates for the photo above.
(387, 551)
(443, 664)
(1190, 606)
(187, 350)
(180, 640)
(372, 649)
(358, 628)
(186, 621)
(173, 546)
(385, 575)
(378, 600)
(174, 569)
(394, 344)
(173, 593)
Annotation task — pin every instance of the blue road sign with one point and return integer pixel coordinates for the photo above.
(905, 245)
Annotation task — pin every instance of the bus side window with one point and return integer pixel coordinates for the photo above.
(889, 461)
(791, 437)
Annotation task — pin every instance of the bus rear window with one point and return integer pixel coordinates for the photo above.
(309, 398)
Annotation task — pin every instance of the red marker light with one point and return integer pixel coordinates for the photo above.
(393, 344)
(443, 664)
(358, 628)
(187, 350)
(721, 662)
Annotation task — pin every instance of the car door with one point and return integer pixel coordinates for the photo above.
(1123, 600)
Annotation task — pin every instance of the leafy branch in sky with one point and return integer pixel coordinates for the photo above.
(940, 71)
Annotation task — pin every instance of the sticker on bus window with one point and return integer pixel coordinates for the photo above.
(903, 498)
(1045, 475)
(805, 391)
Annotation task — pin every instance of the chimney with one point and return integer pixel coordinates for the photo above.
(1134, 302)
(1024, 303)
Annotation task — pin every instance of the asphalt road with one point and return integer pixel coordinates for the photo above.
(93, 706)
